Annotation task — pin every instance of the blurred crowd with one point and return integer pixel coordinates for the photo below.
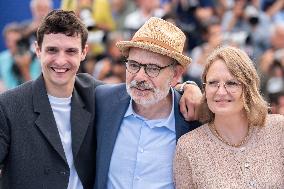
(256, 26)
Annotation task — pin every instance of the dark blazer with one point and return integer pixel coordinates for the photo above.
(111, 104)
(30, 145)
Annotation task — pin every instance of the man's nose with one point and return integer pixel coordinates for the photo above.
(61, 58)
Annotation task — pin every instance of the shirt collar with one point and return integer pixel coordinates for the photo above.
(168, 122)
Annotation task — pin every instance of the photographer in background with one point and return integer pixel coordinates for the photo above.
(270, 57)
(18, 63)
(243, 26)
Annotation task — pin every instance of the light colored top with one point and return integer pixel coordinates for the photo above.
(143, 153)
(61, 108)
(203, 161)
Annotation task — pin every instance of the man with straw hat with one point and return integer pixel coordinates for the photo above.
(139, 123)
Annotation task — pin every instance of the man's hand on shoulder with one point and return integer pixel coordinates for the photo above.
(190, 100)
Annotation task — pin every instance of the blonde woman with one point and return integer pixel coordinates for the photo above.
(240, 145)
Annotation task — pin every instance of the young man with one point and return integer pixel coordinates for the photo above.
(46, 132)
(139, 123)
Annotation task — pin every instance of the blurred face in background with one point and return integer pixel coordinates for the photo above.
(149, 5)
(11, 38)
(204, 14)
(215, 35)
(112, 49)
(118, 5)
(277, 38)
(40, 8)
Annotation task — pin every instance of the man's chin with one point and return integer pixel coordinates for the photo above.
(144, 102)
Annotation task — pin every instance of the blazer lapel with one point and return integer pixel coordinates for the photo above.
(45, 120)
(112, 124)
(80, 119)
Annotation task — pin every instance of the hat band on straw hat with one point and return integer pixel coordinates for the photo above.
(154, 41)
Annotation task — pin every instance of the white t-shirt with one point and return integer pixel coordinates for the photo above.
(61, 108)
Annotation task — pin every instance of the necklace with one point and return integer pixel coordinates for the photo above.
(216, 133)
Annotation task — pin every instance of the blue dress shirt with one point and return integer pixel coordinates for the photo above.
(143, 153)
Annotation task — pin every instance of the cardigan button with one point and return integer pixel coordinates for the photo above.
(252, 183)
(242, 149)
(247, 165)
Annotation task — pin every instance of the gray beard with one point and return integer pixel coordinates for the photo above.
(158, 94)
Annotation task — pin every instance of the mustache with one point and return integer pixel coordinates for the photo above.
(143, 85)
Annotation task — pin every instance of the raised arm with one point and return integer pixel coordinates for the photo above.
(190, 100)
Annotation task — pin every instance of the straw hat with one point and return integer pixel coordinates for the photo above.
(158, 36)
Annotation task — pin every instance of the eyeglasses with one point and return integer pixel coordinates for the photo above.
(152, 70)
(230, 86)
